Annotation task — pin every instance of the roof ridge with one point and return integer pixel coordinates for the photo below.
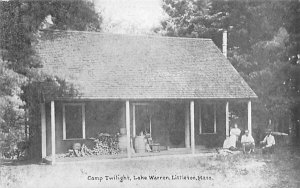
(130, 35)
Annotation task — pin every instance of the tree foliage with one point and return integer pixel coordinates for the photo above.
(20, 20)
(22, 86)
(262, 37)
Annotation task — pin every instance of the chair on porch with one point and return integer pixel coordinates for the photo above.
(155, 147)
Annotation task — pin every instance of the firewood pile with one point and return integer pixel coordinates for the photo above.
(79, 151)
(106, 144)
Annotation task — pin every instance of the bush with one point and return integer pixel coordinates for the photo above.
(10, 150)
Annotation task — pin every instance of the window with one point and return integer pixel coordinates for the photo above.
(73, 121)
(207, 119)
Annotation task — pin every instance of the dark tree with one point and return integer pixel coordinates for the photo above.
(21, 85)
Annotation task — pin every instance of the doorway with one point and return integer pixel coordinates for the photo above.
(142, 119)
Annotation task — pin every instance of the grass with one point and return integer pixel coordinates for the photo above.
(281, 169)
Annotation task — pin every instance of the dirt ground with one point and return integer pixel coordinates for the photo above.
(281, 169)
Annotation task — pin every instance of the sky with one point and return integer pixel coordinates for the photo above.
(130, 16)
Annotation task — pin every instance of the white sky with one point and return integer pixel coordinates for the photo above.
(130, 16)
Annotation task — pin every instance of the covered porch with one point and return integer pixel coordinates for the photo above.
(179, 126)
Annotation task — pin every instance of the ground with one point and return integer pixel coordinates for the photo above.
(281, 169)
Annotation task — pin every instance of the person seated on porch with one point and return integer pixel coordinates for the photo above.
(268, 143)
(248, 143)
(146, 137)
(236, 132)
(148, 148)
(230, 143)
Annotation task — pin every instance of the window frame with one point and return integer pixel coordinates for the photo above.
(82, 123)
(214, 116)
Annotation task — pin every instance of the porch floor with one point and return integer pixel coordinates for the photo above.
(169, 152)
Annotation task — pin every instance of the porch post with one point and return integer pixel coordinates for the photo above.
(187, 127)
(133, 121)
(192, 110)
(43, 129)
(53, 131)
(227, 118)
(128, 129)
(249, 118)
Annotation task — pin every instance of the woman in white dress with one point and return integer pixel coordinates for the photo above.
(236, 132)
(230, 142)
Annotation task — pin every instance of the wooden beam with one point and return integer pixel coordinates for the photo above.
(43, 129)
(192, 112)
(215, 118)
(53, 132)
(249, 118)
(200, 119)
(83, 120)
(133, 121)
(187, 127)
(128, 129)
(64, 122)
(150, 125)
(227, 118)
(224, 45)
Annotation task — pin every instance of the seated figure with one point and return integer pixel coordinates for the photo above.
(146, 138)
(268, 143)
(230, 143)
(247, 142)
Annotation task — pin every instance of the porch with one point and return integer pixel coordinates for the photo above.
(182, 126)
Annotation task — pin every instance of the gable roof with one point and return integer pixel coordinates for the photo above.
(111, 66)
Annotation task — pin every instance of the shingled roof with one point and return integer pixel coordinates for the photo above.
(110, 66)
